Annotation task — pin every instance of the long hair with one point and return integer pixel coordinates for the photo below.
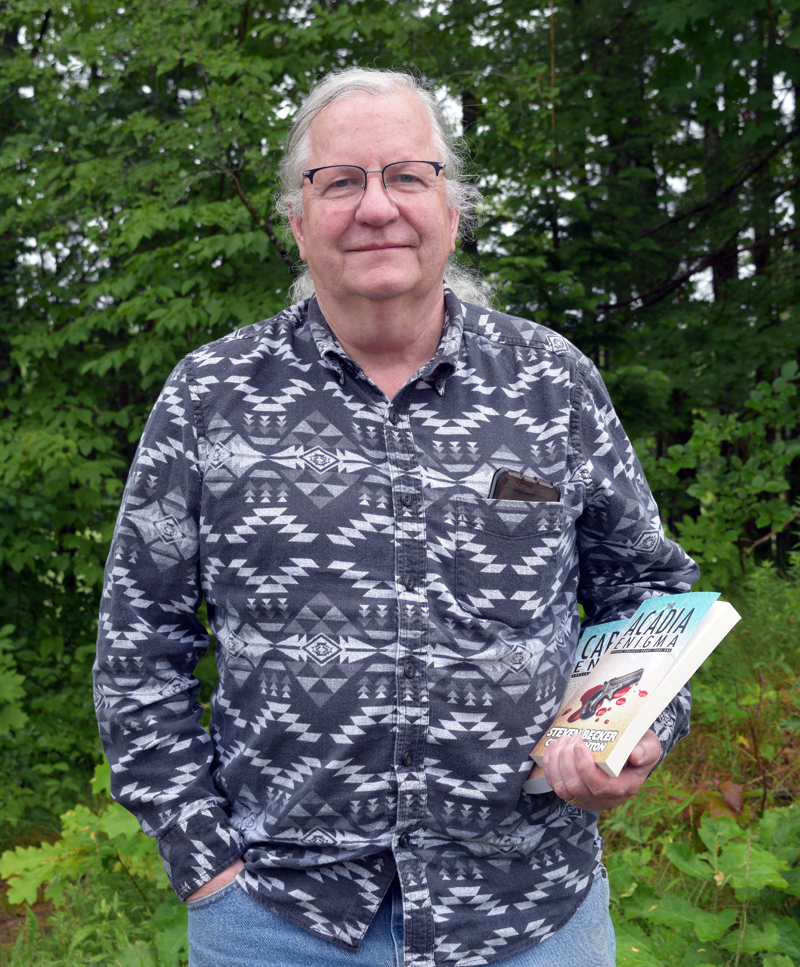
(461, 195)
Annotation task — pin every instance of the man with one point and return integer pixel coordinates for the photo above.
(392, 640)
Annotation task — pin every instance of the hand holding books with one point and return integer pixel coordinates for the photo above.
(625, 674)
(574, 775)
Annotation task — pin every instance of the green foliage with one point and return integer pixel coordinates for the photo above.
(640, 169)
(738, 466)
(107, 883)
(736, 896)
(11, 691)
(86, 839)
(747, 693)
(641, 166)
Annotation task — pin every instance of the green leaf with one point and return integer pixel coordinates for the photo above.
(754, 939)
(688, 861)
(101, 780)
(118, 822)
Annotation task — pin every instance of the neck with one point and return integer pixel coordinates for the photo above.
(390, 342)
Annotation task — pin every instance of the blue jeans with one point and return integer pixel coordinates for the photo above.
(231, 929)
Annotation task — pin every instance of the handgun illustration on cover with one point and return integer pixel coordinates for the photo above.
(608, 691)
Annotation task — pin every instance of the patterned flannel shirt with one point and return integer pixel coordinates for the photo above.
(391, 643)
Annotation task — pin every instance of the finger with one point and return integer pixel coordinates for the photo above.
(597, 782)
(591, 785)
(594, 788)
(566, 779)
(551, 763)
(647, 752)
(575, 777)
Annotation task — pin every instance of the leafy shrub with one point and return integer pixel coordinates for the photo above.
(746, 696)
(732, 480)
(107, 884)
(733, 901)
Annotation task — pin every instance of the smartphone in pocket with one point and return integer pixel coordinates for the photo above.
(510, 485)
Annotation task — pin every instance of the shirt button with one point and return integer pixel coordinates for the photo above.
(407, 499)
(404, 840)
(394, 417)
(410, 583)
(408, 759)
(410, 669)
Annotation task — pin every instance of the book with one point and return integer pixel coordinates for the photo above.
(627, 672)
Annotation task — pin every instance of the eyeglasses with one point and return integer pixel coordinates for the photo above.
(345, 184)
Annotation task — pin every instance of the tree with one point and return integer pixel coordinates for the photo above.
(640, 163)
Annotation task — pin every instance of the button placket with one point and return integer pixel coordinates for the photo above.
(408, 509)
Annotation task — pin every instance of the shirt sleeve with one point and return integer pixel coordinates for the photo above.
(149, 642)
(624, 555)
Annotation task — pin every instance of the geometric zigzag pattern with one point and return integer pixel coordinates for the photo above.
(391, 642)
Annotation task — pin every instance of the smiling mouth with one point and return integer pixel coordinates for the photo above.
(379, 248)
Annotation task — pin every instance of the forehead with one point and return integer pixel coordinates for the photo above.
(370, 129)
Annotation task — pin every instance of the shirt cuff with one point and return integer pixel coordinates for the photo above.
(673, 723)
(198, 848)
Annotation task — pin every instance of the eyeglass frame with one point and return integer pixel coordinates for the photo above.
(437, 167)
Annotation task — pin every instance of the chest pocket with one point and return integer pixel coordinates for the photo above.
(506, 557)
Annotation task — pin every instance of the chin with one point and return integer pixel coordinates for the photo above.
(382, 286)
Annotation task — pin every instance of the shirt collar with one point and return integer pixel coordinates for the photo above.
(436, 371)
(328, 345)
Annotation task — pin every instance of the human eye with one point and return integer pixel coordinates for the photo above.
(410, 177)
(339, 182)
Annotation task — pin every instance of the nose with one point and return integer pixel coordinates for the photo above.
(376, 206)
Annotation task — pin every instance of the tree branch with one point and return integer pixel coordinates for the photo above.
(730, 189)
(776, 33)
(45, 24)
(666, 286)
(228, 171)
(772, 533)
(263, 224)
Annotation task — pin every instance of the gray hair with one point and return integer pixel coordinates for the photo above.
(461, 195)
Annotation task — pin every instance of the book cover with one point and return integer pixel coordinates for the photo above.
(593, 643)
(625, 677)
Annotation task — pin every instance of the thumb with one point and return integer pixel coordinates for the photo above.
(647, 752)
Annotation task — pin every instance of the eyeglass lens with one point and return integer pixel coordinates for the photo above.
(347, 182)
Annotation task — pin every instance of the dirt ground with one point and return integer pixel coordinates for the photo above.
(12, 918)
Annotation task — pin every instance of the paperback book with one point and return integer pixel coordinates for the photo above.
(627, 672)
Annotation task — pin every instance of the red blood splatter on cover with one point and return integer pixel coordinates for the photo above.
(642, 694)
(606, 721)
(622, 691)
(584, 699)
(621, 701)
(567, 711)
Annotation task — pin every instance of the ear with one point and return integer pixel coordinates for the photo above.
(296, 223)
(454, 218)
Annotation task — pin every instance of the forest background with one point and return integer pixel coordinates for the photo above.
(640, 163)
